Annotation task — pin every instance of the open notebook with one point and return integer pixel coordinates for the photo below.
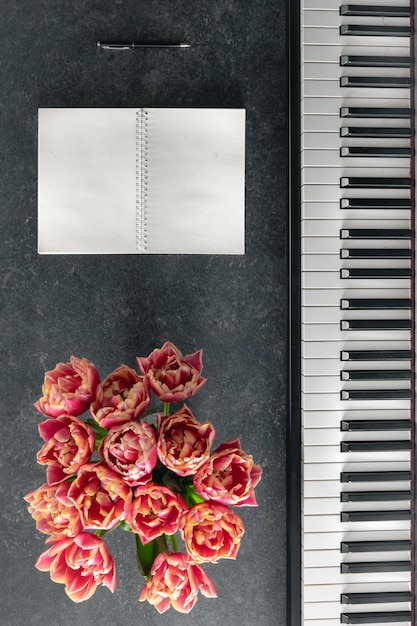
(121, 181)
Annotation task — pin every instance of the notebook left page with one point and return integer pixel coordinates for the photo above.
(86, 181)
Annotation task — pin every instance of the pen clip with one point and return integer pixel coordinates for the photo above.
(115, 46)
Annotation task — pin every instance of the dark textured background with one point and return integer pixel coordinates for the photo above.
(113, 308)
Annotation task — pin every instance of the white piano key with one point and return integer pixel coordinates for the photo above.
(332, 280)
(333, 315)
(332, 123)
(333, 332)
(329, 611)
(332, 401)
(333, 384)
(327, 471)
(332, 228)
(332, 19)
(328, 367)
(332, 211)
(332, 349)
(332, 89)
(322, 593)
(333, 558)
(332, 37)
(328, 176)
(320, 54)
(326, 262)
(324, 297)
(331, 541)
(332, 158)
(316, 192)
(331, 106)
(333, 506)
(332, 454)
(336, 622)
(330, 5)
(334, 436)
(321, 488)
(328, 419)
(333, 71)
(331, 141)
(329, 523)
(332, 575)
(321, 436)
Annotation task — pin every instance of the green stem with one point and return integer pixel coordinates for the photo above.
(166, 408)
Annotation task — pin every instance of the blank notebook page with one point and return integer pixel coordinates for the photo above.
(121, 181)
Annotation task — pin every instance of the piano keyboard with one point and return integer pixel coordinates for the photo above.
(357, 313)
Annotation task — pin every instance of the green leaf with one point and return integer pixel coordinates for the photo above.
(99, 430)
(147, 553)
(191, 496)
(124, 526)
(144, 556)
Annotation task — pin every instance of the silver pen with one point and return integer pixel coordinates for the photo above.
(131, 46)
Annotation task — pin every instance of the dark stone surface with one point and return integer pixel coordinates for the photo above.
(113, 308)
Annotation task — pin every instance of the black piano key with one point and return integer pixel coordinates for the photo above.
(357, 304)
(375, 233)
(370, 132)
(376, 597)
(375, 394)
(376, 112)
(375, 203)
(347, 60)
(376, 516)
(375, 253)
(391, 545)
(364, 30)
(375, 477)
(375, 272)
(374, 425)
(380, 617)
(386, 82)
(375, 496)
(365, 182)
(375, 11)
(387, 324)
(374, 446)
(366, 567)
(375, 375)
(376, 355)
(375, 152)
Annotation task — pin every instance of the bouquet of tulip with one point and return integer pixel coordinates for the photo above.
(150, 473)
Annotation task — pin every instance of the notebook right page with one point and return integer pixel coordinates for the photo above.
(196, 181)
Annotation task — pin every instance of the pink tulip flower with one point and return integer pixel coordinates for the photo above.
(81, 563)
(123, 396)
(183, 442)
(155, 510)
(130, 450)
(229, 476)
(172, 376)
(69, 388)
(69, 445)
(176, 582)
(211, 531)
(54, 513)
(101, 496)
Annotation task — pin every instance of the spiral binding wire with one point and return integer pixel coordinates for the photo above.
(141, 178)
